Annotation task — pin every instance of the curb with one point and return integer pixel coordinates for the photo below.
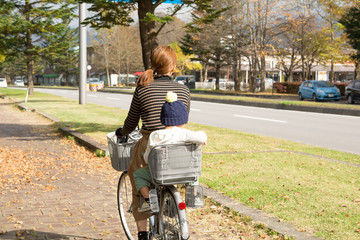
(275, 224)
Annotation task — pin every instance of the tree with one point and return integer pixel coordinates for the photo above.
(61, 50)
(126, 50)
(331, 11)
(351, 22)
(191, 45)
(286, 45)
(101, 42)
(184, 62)
(238, 38)
(207, 40)
(110, 13)
(25, 25)
(172, 32)
(261, 25)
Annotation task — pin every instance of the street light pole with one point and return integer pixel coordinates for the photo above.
(82, 55)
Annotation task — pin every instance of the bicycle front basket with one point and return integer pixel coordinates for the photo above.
(121, 153)
(175, 163)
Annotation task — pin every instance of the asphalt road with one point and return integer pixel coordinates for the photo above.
(325, 130)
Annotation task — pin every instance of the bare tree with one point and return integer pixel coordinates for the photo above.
(126, 50)
(261, 33)
(101, 42)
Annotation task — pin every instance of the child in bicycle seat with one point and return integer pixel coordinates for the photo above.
(174, 116)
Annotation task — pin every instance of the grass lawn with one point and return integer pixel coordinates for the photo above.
(297, 183)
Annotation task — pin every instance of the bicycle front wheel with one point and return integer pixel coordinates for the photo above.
(124, 199)
(173, 223)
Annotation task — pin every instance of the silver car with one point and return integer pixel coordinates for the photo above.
(19, 83)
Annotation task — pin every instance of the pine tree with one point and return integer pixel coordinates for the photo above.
(351, 23)
(26, 26)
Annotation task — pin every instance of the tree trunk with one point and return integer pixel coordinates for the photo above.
(236, 70)
(217, 69)
(262, 73)
(30, 66)
(148, 35)
(205, 72)
(357, 69)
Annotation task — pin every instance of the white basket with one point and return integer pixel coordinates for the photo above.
(121, 153)
(175, 163)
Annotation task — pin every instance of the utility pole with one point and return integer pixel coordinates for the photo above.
(82, 55)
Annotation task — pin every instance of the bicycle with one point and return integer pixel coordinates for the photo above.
(169, 222)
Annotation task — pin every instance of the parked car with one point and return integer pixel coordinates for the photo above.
(352, 91)
(3, 82)
(185, 79)
(318, 90)
(19, 83)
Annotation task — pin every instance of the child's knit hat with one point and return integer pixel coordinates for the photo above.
(173, 112)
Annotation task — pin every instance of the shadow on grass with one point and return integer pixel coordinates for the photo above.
(27, 234)
(47, 101)
(91, 127)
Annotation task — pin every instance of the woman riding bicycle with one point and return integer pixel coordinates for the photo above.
(146, 105)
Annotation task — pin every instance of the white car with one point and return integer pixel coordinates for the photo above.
(19, 83)
(3, 82)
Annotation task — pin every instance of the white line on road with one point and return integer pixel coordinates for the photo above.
(113, 98)
(195, 110)
(263, 119)
(92, 96)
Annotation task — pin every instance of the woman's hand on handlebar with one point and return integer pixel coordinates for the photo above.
(118, 132)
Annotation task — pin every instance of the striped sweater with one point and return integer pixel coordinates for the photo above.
(147, 102)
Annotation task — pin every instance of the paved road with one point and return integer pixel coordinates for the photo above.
(325, 130)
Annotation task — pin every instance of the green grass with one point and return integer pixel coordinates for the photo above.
(295, 182)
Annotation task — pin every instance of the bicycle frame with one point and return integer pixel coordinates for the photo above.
(155, 222)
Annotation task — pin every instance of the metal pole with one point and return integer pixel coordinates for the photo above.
(82, 55)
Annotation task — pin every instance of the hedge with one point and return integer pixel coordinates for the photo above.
(293, 87)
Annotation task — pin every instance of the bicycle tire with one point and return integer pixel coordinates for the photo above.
(124, 199)
(173, 223)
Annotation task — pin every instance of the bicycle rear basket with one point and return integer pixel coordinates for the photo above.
(175, 163)
(121, 153)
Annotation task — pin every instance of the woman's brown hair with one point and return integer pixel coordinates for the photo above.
(163, 60)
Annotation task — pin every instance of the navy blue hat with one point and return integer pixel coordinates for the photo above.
(173, 112)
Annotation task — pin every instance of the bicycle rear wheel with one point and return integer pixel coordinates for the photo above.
(124, 199)
(173, 223)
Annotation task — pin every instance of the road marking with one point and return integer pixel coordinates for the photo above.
(92, 96)
(113, 98)
(195, 110)
(263, 119)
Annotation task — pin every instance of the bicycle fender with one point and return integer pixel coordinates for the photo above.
(182, 214)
